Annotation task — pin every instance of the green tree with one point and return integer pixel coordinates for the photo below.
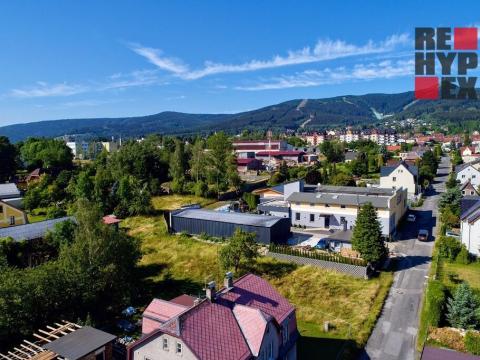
(84, 186)
(462, 308)
(451, 199)
(241, 248)
(46, 153)
(251, 200)
(367, 235)
(198, 161)
(133, 197)
(220, 150)
(342, 179)
(8, 154)
(333, 151)
(178, 163)
(452, 181)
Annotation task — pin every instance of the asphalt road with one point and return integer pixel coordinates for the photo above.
(395, 334)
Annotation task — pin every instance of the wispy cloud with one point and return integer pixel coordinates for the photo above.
(382, 70)
(117, 81)
(43, 89)
(323, 50)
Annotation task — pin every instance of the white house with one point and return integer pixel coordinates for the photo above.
(467, 172)
(400, 175)
(470, 224)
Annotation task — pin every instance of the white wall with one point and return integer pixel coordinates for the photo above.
(400, 177)
(153, 350)
(471, 236)
(469, 173)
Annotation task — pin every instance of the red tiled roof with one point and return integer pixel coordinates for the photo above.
(256, 147)
(211, 331)
(185, 300)
(111, 219)
(280, 153)
(243, 161)
(253, 291)
(253, 324)
(393, 147)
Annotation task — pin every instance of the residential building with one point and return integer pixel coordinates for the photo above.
(246, 319)
(400, 175)
(31, 231)
(469, 153)
(63, 341)
(336, 207)
(10, 193)
(274, 158)
(468, 172)
(110, 146)
(349, 135)
(11, 216)
(314, 139)
(249, 148)
(470, 223)
(268, 229)
(468, 189)
(248, 164)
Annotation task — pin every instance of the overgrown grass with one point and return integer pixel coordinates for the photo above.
(453, 273)
(172, 202)
(176, 264)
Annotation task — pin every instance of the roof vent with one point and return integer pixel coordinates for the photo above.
(318, 196)
(210, 291)
(335, 197)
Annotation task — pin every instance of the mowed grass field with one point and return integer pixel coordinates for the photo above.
(177, 264)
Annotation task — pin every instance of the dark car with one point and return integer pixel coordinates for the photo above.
(422, 235)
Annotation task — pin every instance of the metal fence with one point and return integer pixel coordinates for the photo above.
(354, 270)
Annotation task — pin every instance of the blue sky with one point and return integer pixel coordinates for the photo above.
(69, 59)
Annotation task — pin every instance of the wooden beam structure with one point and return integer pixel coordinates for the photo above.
(33, 350)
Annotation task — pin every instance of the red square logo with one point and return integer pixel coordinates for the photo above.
(426, 88)
(465, 38)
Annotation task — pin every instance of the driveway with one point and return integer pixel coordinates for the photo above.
(395, 334)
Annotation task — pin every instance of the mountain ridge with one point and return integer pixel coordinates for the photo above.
(338, 111)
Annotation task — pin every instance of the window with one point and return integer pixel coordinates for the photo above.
(342, 206)
(394, 179)
(1, 209)
(472, 192)
(463, 176)
(463, 192)
(12, 220)
(100, 356)
(178, 350)
(342, 219)
(165, 344)
(312, 217)
(326, 205)
(297, 216)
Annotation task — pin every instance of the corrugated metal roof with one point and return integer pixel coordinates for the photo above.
(31, 231)
(355, 190)
(339, 199)
(229, 217)
(79, 343)
(9, 190)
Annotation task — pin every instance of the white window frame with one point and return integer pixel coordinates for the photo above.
(165, 344)
(178, 348)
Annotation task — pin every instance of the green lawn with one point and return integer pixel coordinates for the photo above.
(172, 202)
(174, 264)
(453, 273)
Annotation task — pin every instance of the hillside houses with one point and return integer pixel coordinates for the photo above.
(245, 319)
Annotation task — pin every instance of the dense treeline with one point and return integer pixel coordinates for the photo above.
(93, 276)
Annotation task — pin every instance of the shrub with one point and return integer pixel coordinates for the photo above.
(472, 342)
(463, 256)
(435, 302)
(462, 308)
(449, 247)
(201, 189)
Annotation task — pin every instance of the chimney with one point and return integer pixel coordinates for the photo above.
(210, 291)
(228, 281)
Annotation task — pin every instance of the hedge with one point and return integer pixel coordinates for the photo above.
(472, 342)
(287, 250)
(435, 299)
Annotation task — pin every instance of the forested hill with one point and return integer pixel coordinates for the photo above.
(301, 113)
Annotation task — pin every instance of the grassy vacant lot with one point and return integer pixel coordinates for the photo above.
(174, 264)
(452, 273)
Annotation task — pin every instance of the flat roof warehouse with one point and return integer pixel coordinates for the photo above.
(229, 217)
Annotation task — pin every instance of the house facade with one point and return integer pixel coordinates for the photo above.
(336, 207)
(246, 319)
(470, 224)
(11, 215)
(401, 175)
(468, 189)
(249, 148)
(467, 172)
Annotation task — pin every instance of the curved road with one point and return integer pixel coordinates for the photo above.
(395, 334)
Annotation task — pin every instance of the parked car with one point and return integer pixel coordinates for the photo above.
(453, 234)
(422, 235)
(125, 325)
(411, 218)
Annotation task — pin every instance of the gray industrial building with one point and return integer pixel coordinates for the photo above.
(269, 229)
